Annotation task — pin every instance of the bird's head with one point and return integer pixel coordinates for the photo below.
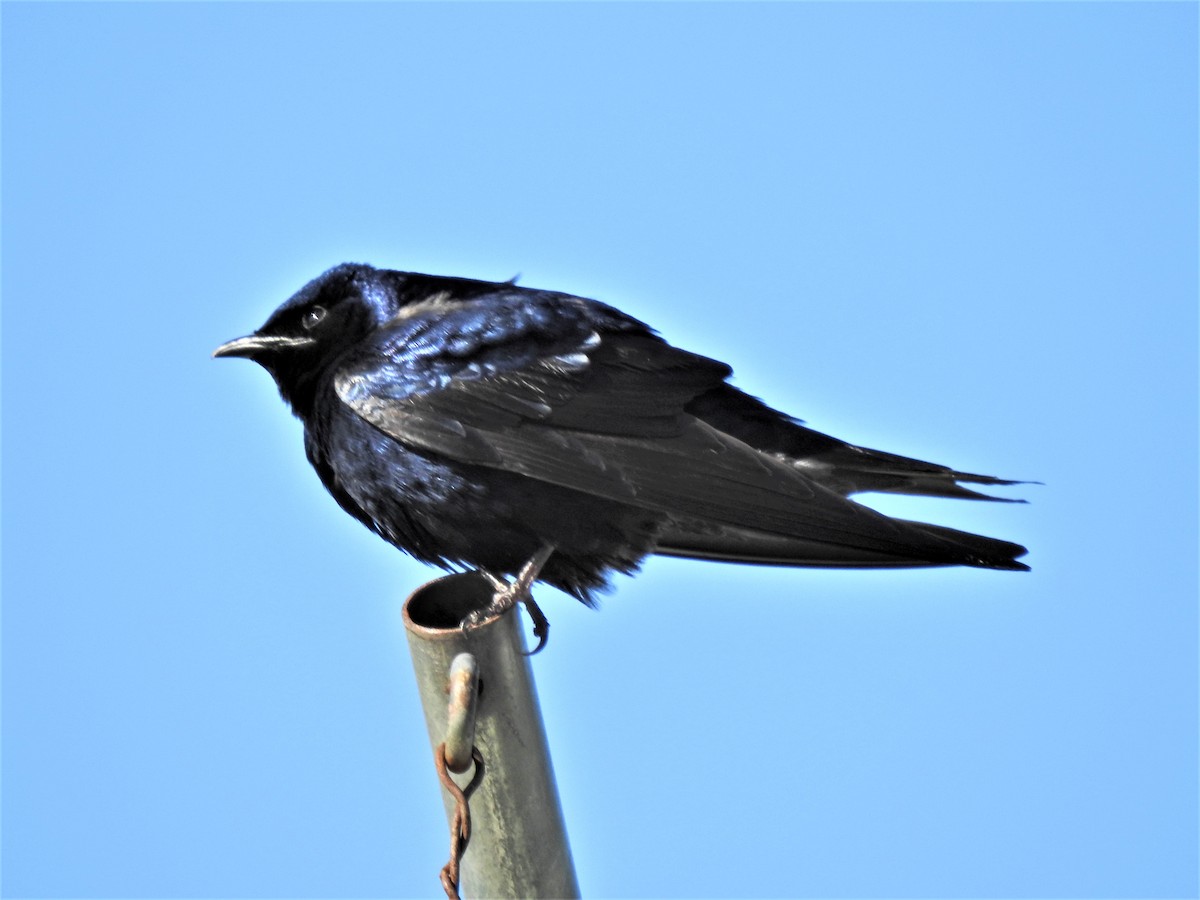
(316, 326)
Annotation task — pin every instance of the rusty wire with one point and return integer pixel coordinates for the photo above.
(460, 825)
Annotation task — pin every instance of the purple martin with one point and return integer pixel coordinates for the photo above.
(536, 434)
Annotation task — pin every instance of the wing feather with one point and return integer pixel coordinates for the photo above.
(583, 398)
(616, 428)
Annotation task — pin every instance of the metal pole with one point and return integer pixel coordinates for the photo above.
(518, 846)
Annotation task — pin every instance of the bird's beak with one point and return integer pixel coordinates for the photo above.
(253, 345)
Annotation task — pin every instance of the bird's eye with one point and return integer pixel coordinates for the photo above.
(313, 317)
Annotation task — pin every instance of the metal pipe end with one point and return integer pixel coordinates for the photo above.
(436, 609)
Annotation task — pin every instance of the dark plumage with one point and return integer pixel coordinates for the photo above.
(473, 423)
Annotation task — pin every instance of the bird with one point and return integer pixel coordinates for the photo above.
(539, 436)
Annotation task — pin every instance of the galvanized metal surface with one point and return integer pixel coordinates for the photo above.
(518, 844)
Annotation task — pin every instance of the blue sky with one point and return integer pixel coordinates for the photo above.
(961, 232)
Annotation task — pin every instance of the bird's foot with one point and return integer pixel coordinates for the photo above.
(509, 594)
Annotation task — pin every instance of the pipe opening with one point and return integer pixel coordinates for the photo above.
(443, 603)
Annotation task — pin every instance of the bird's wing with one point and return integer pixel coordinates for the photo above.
(840, 466)
(546, 391)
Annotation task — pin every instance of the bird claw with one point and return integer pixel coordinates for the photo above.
(509, 594)
(504, 600)
(541, 625)
(476, 618)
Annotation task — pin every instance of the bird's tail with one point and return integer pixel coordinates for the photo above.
(924, 545)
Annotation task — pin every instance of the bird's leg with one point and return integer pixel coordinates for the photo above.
(519, 590)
